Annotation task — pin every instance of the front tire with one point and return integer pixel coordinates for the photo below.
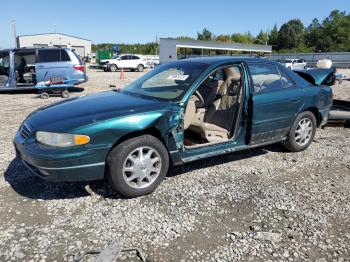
(302, 132)
(113, 68)
(137, 166)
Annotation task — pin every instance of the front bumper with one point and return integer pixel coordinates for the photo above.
(76, 164)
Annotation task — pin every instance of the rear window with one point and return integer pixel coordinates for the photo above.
(64, 55)
(52, 55)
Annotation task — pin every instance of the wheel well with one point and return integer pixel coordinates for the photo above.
(317, 114)
(149, 131)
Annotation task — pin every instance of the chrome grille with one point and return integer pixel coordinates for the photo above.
(25, 131)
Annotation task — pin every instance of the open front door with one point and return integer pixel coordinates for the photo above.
(4, 68)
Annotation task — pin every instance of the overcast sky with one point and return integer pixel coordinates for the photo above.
(139, 21)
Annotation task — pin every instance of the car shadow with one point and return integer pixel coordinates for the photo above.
(226, 158)
(28, 185)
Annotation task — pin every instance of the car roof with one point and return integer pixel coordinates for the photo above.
(32, 49)
(130, 54)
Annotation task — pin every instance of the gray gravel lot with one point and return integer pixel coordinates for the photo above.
(259, 205)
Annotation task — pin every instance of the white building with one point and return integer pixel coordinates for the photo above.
(168, 47)
(81, 46)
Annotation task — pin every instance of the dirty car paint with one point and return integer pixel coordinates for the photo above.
(110, 117)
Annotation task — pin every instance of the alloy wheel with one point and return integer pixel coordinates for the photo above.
(142, 167)
(303, 132)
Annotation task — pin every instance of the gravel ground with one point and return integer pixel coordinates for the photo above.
(259, 205)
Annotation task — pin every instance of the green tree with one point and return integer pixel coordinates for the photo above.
(336, 28)
(261, 38)
(273, 37)
(314, 36)
(185, 38)
(245, 38)
(205, 35)
(291, 35)
(223, 38)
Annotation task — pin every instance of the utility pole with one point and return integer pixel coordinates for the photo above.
(13, 23)
(156, 44)
(54, 25)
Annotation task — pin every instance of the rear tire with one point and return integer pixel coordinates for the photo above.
(137, 166)
(44, 95)
(140, 68)
(301, 133)
(65, 94)
(113, 68)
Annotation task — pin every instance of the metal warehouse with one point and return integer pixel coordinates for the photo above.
(169, 47)
(81, 46)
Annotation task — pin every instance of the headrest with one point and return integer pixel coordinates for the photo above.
(232, 73)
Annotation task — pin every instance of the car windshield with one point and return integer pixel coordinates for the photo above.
(167, 82)
(288, 60)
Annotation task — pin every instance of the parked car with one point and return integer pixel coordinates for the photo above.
(40, 68)
(126, 61)
(295, 63)
(177, 113)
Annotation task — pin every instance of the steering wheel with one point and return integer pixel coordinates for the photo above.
(199, 96)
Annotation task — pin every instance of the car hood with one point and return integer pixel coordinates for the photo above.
(84, 110)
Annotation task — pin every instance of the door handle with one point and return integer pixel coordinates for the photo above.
(40, 66)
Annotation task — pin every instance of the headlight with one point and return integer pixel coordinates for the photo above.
(60, 139)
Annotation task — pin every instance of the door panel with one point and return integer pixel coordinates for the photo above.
(4, 68)
(123, 62)
(276, 102)
(274, 113)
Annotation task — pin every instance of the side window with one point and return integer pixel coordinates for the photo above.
(64, 56)
(285, 78)
(135, 57)
(266, 77)
(51, 55)
(124, 57)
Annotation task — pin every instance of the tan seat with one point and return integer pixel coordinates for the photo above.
(218, 120)
(208, 90)
(190, 112)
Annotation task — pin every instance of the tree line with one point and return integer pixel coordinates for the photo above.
(332, 34)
